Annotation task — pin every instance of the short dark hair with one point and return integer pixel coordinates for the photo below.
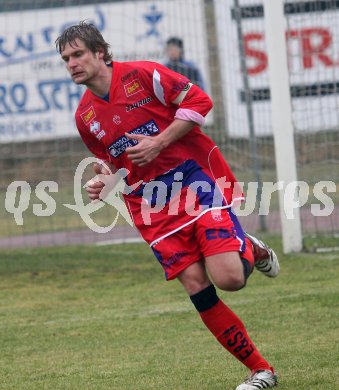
(89, 34)
(175, 41)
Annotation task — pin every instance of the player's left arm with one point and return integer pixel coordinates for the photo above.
(148, 148)
(193, 104)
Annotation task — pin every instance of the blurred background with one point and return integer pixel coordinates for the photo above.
(40, 149)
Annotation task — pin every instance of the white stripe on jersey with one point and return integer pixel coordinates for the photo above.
(158, 88)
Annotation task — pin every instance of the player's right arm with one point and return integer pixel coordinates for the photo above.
(103, 167)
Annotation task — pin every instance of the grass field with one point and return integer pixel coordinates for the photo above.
(104, 318)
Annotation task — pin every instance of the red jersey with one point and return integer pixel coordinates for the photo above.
(182, 183)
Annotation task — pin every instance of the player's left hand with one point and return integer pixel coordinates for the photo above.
(147, 149)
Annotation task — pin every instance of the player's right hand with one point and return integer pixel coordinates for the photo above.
(93, 189)
(95, 186)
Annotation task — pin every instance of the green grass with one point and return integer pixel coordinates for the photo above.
(104, 318)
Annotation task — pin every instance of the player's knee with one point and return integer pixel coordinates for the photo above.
(194, 278)
(232, 282)
(193, 286)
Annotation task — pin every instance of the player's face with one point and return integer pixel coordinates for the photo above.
(173, 52)
(81, 63)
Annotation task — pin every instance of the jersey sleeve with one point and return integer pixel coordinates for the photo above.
(165, 83)
(172, 88)
(196, 100)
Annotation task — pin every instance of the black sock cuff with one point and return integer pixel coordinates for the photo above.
(205, 299)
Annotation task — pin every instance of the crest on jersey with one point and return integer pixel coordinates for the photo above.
(95, 128)
(116, 119)
(216, 215)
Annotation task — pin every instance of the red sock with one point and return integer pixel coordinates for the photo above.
(228, 329)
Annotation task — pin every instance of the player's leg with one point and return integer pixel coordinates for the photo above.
(228, 252)
(180, 257)
(220, 319)
(223, 323)
(221, 229)
(194, 278)
(229, 260)
(228, 270)
(229, 330)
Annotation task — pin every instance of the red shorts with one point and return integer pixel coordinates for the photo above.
(215, 232)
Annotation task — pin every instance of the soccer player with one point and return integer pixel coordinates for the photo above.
(177, 62)
(145, 118)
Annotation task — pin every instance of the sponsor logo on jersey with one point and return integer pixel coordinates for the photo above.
(95, 128)
(88, 115)
(138, 104)
(167, 263)
(133, 87)
(213, 234)
(238, 342)
(129, 75)
(121, 144)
